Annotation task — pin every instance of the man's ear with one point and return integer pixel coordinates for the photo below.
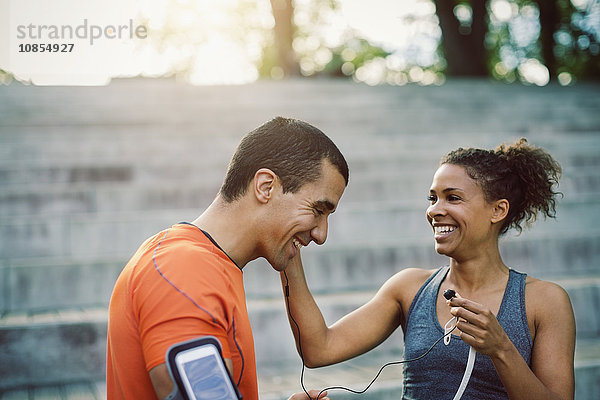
(500, 210)
(263, 184)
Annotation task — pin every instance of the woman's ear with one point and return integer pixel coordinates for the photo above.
(500, 210)
(263, 184)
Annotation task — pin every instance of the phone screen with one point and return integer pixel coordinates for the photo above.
(204, 375)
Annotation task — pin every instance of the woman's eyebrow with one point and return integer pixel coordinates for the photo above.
(451, 189)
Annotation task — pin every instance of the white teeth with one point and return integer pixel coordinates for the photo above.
(297, 243)
(444, 229)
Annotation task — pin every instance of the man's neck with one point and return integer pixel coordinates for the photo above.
(229, 225)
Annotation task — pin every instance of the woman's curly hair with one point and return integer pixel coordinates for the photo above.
(523, 174)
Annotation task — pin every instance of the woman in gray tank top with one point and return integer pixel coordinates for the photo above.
(522, 328)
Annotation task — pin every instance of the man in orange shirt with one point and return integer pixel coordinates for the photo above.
(284, 180)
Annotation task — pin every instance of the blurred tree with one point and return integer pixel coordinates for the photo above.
(505, 39)
(283, 13)
(301, 42)
(577, 39)
(463, 36)
(549, 24)
(528, 40)
(470, 49)
(351, 55)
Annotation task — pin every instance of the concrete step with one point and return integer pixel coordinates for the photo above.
(64, 147)
(279, 382)
(118, 189)
(70, 345)
(151, 101)
(68, 233)
(398, 221)
(342, 265)
(85, 390)
(367, 265)
(38, 285)
(153, 165)
(587, 369)
(357, 374)
(53, 347)
(84, 235)
(61, 201)
(65, 150)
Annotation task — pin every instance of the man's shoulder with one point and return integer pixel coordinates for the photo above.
(171, 252)
(188, 245)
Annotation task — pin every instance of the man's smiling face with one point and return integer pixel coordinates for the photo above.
(296, 219)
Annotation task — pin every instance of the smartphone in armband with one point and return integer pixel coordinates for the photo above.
(199, 372)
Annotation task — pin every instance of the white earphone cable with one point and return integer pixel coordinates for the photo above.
(470, 360)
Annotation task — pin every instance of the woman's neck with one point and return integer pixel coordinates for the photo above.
(482, 273)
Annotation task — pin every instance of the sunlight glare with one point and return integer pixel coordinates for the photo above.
(565, 78)
(532, 71)
(386, 22)
(221, 62)
(502, 10)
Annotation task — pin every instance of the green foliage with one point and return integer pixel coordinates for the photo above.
(5, 77)
(511, 44)
(268, 64)
(578, 42)
(318, 52)
(357, 52)
(576, 47)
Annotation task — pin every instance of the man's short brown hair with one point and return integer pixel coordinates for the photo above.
(292, 149)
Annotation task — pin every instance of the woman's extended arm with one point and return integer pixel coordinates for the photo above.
(352, 335)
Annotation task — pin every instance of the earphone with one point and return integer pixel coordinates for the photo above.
(449, 294)
(448, 329)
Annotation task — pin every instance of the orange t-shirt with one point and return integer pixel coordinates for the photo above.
(179, 285)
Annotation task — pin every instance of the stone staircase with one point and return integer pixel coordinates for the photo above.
(86, 174)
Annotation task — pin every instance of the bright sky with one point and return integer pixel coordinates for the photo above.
(218, 60)
(205, 38)
(385, 21)
(221, 60)
(392, 24)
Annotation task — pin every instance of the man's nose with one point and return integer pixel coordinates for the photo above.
(319, 232)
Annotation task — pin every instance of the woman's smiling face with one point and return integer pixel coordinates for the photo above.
(459, 214)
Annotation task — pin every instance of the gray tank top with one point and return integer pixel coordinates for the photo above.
(438, 375)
